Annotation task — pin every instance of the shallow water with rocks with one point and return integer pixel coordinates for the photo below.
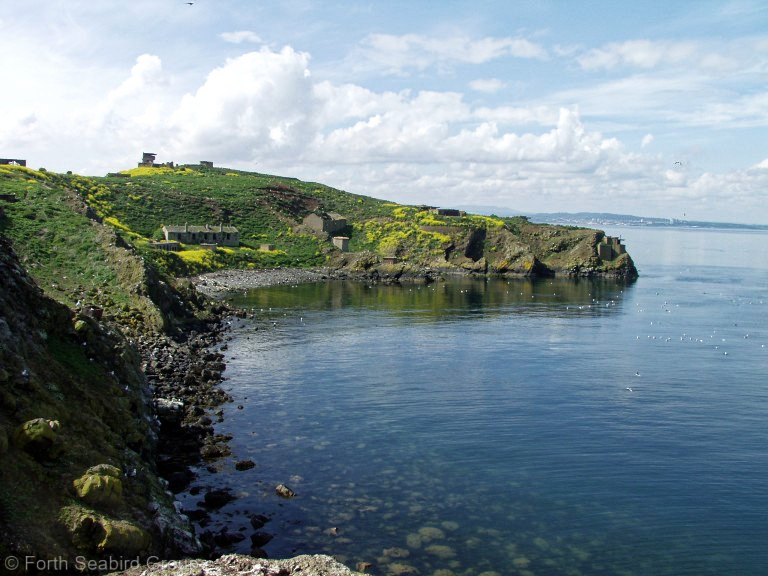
(504, 427)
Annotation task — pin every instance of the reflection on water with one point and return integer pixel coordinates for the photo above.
(440, 301)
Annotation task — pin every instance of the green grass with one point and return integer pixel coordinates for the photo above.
(56, 243)
(266, 209)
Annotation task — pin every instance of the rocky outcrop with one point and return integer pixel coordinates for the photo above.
(525, 250)
(100, 486)
(77, 436)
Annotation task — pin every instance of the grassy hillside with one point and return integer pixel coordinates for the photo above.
(75, 259)
(269, 210)
(74, 403)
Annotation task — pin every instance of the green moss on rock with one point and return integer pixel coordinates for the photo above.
(36, 437)
(95, 533)
(100, 485)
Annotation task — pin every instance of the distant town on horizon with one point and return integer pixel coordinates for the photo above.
(609, 219)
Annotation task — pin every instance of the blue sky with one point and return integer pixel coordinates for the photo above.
(647, 108)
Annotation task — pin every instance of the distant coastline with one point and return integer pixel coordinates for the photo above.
(599, 219)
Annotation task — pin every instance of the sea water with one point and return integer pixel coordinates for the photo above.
(511, 427)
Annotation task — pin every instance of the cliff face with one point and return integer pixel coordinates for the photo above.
(77, 476)
(499, 250)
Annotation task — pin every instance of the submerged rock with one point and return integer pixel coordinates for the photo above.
(218, 498)
(244, 465)
(258, 521)
(259, 539)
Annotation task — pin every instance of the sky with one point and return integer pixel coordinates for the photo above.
(648, 108)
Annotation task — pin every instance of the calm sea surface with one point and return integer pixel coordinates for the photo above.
(548, 427)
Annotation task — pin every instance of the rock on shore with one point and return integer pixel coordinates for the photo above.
(214, 284)
(236, 565)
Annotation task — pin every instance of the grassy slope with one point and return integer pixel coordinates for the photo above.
(268, 209)
(79, 372)
(71, 257)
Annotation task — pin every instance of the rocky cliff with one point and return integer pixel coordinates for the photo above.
(77, 439)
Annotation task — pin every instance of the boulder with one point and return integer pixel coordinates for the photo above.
(284, 492)
(123, 538)
(105, 469)
(37, 437)
(95, 533)
(169, 410)
(100, 485)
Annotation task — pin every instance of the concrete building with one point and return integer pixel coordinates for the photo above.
(13, 161)
(148, 161)
(447, 212)
(325, 223)
(341, 242)
(609, 248)
(216, 235)
(170, 246)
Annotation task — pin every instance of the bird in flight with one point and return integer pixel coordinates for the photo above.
(189, 3)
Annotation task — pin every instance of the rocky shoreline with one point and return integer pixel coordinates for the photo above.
(236, 564)
(217, 284)
(184, 372)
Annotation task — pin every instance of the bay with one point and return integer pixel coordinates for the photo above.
(521, 427)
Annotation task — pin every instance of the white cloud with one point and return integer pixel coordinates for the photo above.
(147, 71)
(488, 85)
(394, 54)
(20, 127)
(413, 146)
(241, 36)
(637, 54)
(253, 104)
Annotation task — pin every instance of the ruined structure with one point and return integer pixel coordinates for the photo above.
(447, 212)
(341, 242)
(609, 248)
(148, 161)
(218, 235)
(325, 223)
